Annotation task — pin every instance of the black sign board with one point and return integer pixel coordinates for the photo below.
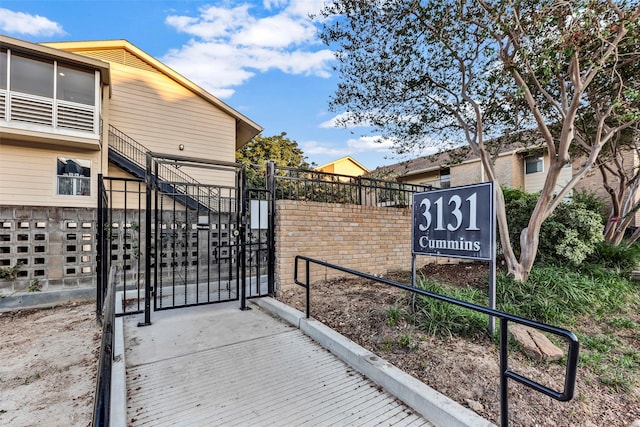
(456, 222)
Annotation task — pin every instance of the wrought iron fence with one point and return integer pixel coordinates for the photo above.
(102, 396)
(505, 373)
(314, 186)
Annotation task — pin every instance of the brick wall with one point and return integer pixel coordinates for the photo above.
(368, 239)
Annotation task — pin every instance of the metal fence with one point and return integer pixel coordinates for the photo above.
(505, 373)
(314, 186)
(102, 396)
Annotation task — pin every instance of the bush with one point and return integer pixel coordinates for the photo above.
(558, 294)
(570, 234)
(619, 257)
(591, 202)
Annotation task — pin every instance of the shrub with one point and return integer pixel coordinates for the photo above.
(570, 234)
(619, 257)
(591, 201)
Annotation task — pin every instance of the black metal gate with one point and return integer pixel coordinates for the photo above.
(206, 243)
(179, 242)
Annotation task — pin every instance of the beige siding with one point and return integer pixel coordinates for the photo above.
(517, 167)
(534, 182)
(466, 174)
(28, 176)
(161, 114)
(426, 178)
(116, 191)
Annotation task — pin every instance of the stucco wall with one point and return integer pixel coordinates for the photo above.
(368, 239)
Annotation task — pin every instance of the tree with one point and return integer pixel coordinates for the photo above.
(474, 69)
(617, 163)
(278, 148)
(621, 179)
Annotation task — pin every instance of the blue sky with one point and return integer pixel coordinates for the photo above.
(262, 57)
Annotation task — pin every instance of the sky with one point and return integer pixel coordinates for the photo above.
(261, 57)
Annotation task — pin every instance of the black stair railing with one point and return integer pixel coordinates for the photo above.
(176, 182)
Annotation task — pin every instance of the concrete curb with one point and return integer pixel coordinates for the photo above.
(433, 406)
(46, 298)
(118, 410)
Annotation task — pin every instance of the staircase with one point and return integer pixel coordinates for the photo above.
(131, 156)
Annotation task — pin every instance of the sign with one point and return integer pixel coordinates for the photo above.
(456, 222)
(259, 214)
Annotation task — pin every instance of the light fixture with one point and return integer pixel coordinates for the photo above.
(181, 147)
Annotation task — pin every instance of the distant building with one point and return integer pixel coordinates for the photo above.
(344, 166)
(522, 163)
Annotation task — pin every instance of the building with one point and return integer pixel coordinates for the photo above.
(344, 166)
(71, 111)
(522, 163)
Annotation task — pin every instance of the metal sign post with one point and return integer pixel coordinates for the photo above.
(458, 222)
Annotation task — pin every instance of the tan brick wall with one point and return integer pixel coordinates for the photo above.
(466, 174)
(368, 239)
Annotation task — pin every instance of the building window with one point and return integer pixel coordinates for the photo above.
(76, 85)
(445, 178)
(32, 76)
(46, 92)
(533, 165)
(74, 177)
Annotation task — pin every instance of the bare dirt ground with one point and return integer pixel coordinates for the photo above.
(48, 363)
(464, 369)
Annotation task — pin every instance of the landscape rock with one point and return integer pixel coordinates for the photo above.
(476, 406)
(535, 344)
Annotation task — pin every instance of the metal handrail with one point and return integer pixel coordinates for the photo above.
(505, 373)
(102, 396)
(183, 184)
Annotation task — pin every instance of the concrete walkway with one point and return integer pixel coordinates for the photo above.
(216, 365)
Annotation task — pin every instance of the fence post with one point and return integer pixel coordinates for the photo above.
(100, 248)
(242, 252)
(148, 181)
(271, 244)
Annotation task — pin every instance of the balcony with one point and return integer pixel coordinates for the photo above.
(26, 117)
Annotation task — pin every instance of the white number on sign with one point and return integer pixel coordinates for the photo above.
(456, 213)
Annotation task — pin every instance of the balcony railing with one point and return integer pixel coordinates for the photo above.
(22, 109)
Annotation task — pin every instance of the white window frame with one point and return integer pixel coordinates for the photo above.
(76, 179)
(538, 160)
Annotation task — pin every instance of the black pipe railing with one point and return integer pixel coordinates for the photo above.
(102, 396)
(505, 373)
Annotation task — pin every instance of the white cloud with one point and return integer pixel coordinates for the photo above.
(363, 144)
(230, 45)
(342, 120)
(25, 24)
(370, 143)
